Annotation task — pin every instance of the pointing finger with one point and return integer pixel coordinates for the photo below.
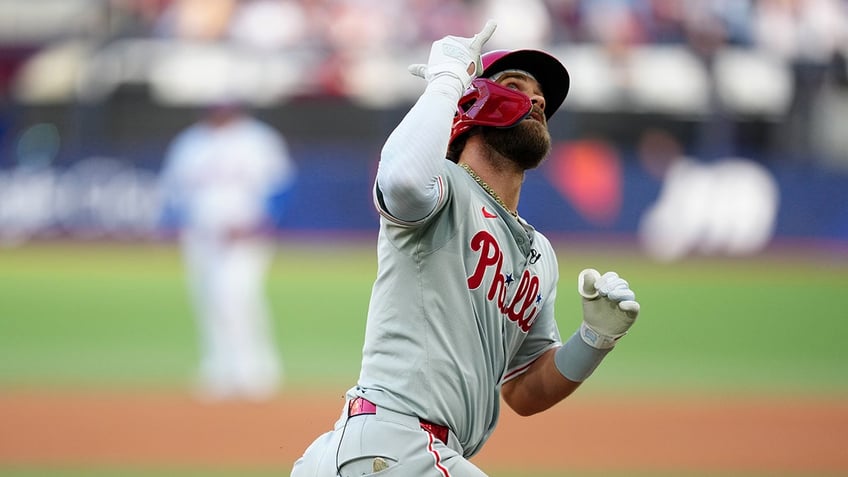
(481, 38)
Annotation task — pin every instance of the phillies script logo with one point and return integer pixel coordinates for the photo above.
(522, 309)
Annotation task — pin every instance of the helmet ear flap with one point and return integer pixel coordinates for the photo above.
(486, 103)
(468, 101)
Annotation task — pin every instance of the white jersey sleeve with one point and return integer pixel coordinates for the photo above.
(410, 185)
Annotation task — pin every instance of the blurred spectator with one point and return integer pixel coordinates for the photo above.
(134, 18)
(808, 34)
(614, 24)
(434, 19)
(363, 27)
(665, 21)
(196, 20)
(565, 15)
(707, 33)
(269, 24)
(218, 179)
(521, 23)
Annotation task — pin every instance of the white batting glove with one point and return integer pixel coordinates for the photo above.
(456, 57)
(609, 308)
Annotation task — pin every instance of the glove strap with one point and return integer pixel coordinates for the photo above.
(595, 339)
(576, 360)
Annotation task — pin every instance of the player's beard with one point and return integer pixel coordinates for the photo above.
(527, 144)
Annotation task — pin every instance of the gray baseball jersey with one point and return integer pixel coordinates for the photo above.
(463, 301)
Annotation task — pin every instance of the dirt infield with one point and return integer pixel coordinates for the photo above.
(588, 433)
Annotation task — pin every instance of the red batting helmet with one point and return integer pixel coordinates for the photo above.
(486, 103)
(492, 105)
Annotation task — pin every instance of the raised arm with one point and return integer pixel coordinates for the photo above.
(412, 160)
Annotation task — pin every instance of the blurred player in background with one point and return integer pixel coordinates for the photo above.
(218, 180)
(462, 310)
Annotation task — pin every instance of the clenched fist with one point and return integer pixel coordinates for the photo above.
(609, 307)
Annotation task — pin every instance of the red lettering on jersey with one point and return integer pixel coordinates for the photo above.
(522, 309)
(525, 296)
(490, 254)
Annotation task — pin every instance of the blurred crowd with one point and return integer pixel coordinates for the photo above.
(808, 31)
(812, 29)
(336, 46)
(341, 47)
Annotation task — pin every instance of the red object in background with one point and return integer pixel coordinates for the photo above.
(12, 58)
(588, 175)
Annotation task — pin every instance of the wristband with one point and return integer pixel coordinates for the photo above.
(576, 360)
(447, 85)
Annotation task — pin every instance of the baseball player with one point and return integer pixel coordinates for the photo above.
(217, 178)
(462, 309)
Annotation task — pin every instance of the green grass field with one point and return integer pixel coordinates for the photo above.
(105, 315)
(95, 315)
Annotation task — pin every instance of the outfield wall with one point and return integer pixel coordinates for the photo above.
(90, 171)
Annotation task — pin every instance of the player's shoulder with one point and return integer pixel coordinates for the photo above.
(445, 209)
(259, 126)
(192, 136)
(455, 175)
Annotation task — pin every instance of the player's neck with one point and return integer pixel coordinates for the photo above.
(499, 173)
